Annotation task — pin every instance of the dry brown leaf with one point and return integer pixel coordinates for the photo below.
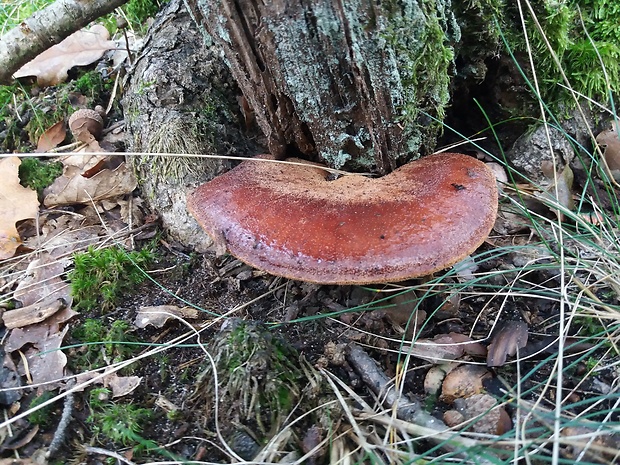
(561, 189)
(10, 382)
(510, 337)
(121, 385)
(36, 313)
(158, 315)
(34, 334)
(16, 203)
(17, 441)
(43, 283)
(72, 188)
(53, 136)
(62, 236)
(446, 347)
(45, 362)
(79, 49)
(464, 381)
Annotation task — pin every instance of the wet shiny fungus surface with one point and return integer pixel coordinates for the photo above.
(289, 220)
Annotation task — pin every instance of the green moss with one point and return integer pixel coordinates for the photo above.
(138, 11)
(101, 276)
(258, 374)
(115, 340)
(92, 84)
(121, 424)
(579, 56)
(41, 417)
(38, 174)
(422, 34)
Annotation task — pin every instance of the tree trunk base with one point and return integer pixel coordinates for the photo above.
(182, 99)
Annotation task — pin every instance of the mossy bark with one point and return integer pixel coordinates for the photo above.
(358, 84)
(181, 99)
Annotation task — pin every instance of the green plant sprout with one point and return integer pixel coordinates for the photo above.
(95, 334)
(118, 423)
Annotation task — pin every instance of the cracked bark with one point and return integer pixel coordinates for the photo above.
(320, 76)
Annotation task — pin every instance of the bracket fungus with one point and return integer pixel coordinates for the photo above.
(291, 221)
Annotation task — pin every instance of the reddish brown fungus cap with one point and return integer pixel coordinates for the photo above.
(289, 220)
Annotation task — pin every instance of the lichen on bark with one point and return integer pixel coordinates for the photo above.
(347, 83)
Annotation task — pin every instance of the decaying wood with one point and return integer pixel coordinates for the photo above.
(321, 76)
(46, 28)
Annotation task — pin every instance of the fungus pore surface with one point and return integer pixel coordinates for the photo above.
(291, 221)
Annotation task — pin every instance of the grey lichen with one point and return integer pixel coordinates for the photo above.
(404, 49)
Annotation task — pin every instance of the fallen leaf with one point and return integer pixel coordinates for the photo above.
(560, 192)
(53, 136)
(34, 334)
(510, 337)
(68, 190)
(446, 347)
(16, 203)
(79, 49)
(62, 236)
(9, 381)
(20, 317)
(46, 362)
(17, 441)
(159, 315)
(43, 283)
(121, 385)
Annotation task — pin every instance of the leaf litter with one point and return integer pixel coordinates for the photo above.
(79, 49)
(16, 203)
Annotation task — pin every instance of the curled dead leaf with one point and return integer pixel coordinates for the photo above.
(560, 191)
(445, 347)
(158, 315)
(610, 143)
(53, 136)
(72, 188)
(121, 385)
(511, 336)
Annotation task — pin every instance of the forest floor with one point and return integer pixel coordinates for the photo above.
(122, 346)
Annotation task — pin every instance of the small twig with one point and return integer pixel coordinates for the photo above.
(414, 418)
(109, 453)
(65, 419)
(406, 409)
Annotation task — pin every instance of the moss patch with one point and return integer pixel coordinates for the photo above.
(422, 34)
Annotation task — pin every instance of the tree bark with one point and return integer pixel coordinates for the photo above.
(46, 28)
(181, 98)
(353, 84)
